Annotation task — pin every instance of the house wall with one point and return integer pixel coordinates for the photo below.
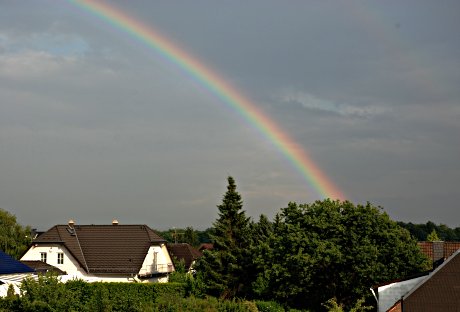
(163, 263)
(70, 265)
(75, 271)
(389, 294)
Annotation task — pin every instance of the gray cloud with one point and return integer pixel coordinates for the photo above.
(94, 125)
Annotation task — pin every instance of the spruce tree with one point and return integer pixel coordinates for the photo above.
(223, 268)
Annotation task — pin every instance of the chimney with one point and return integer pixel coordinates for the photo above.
(114, 222)
(438, 251)
(71, 223)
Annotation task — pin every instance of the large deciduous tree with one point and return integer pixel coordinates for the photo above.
(223, 269)
(14, 238)
(334, 249)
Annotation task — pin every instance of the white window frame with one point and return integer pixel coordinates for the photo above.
(43, 257)
(60, 258)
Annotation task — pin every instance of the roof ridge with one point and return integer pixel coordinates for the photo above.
(146, 229)
(58, 232)
(81, 250)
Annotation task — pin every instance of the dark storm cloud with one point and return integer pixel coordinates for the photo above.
(94, 125)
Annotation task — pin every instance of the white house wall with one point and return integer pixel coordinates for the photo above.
(75, 271)
(70, 265)
(163, 264)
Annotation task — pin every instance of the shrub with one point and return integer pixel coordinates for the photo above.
(46, 293)
(269, 306)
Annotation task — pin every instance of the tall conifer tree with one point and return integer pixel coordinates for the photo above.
(223, 268)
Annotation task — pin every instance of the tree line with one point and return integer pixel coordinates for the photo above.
(309, 257)
(422, 231)
(187, 235)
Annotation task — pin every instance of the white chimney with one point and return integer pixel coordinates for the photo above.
(71, 222)
(114, 222)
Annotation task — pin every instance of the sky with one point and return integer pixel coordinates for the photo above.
(95, 125)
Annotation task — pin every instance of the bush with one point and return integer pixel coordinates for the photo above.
(269, 306)
(46, 293)
(49, 294)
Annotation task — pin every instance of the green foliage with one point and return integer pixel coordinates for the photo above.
(332, 306)
(46, 293)
(258, 271)
(191, 236)
(188, 235)
(11, 302)
(269, 306)
(224, 269)
(99, 301)
(180, 273)
(193, 304)
(360, 306)
(422, 231)
(14, 238)
(433, 237)
(333, 249)
(195, 286)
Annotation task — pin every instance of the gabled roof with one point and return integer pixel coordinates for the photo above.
(440, 291)
(8, 265)
(184, 251)
(104, 248)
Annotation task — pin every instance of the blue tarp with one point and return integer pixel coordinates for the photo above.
(8, 265)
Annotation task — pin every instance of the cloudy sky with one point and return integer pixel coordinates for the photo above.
(94, 125)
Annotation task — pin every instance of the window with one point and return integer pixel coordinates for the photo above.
(60, 258)
(43, 256)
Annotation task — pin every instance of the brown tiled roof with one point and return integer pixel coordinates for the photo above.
(104, 248)
(184, 251)
(42, 267)
(439, 292)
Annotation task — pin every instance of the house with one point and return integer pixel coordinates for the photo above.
(436, 291)
(111, 253)
(206, 246)
(42, 267)
(8, 265)
(12, 272)
(438, 251)
(186, 253)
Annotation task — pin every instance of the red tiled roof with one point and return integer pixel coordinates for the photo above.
(206, 246)
(427, 249)
(184, 251)
(450, 248)
(104, 248)
(447, 249)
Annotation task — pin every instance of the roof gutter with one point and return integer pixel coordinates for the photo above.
(375, 296)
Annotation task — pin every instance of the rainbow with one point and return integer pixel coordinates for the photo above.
(297, 156)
